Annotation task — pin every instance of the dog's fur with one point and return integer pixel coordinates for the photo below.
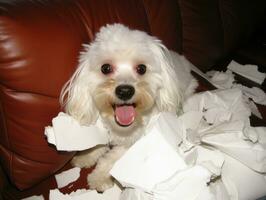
(90, 94)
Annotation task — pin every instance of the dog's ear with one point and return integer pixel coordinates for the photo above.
(76, 97)
(170, 94)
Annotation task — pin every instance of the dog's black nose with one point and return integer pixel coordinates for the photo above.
(124, 92)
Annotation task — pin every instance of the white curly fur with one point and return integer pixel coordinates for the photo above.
(89, 94)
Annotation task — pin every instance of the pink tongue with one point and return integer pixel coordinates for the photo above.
(125, 115)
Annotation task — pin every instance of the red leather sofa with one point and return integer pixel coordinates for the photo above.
(40, 41)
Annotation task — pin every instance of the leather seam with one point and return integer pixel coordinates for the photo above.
(2, 110)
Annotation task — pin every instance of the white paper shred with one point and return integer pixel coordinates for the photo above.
(220, 156)
(209, 152)
(179, 186)
(152, 159)
(241, 182)
(253, 107)
(254, 93)
(83, 194)
(135, 194)
(219, 106)
(66, 177)
(68, 135)
(35, 197)
(226, 80)
(222, 80)
(249, 71)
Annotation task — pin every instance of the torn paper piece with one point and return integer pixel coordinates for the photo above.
(254, 93)
(170, 126)
(219, 106)
(241, 182)
(218, 189)
(225, 80)
(181, 185)
(135, 194)
(110, 194)
(35, 197)
(249, 71)
(150, 160)
(187, 123)
(233, 144)
(253, 108)
(68, 176)
(256, 134)
(210, 159)
(222, 80)
(68, 135)
(191, 120)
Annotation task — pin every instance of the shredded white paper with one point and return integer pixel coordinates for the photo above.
(249, 71)
(223, 156)
(226, 80)
(254, 93)
(66, 177)
(221, 80)
(135, 194)
(210, 152)
(68, 135)
(155, 148)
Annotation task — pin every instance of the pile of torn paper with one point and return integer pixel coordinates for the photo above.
(226, 80)
(209, 152)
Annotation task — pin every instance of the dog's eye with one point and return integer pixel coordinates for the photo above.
(141, 69)
(106, 69)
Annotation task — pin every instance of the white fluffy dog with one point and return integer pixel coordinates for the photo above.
(124, 77)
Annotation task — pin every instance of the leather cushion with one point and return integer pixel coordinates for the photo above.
(40, 43)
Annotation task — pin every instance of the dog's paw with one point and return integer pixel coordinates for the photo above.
(100, 182)
(83, 161)
(89, 157)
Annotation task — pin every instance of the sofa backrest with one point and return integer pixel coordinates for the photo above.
(40, 43)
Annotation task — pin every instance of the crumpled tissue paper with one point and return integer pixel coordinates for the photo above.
(66, 177)
(68, 135)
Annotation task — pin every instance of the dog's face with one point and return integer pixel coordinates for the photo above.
(123, 76)
(124, 94)
(126, 78)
